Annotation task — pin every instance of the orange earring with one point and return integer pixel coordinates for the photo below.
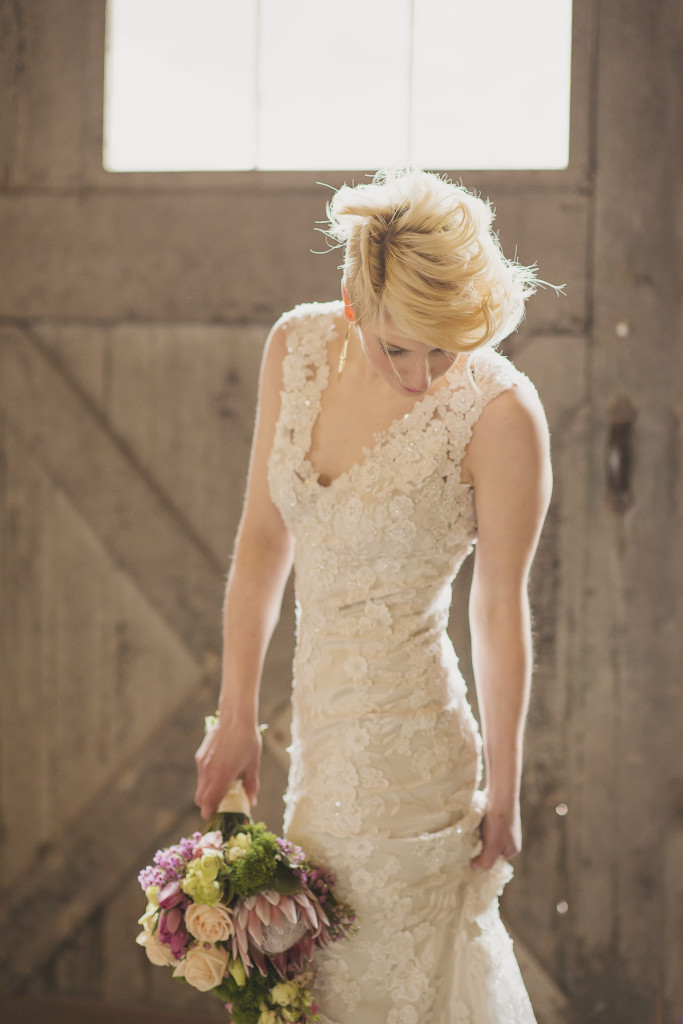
(343, 354)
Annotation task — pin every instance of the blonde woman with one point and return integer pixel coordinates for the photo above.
(390, 437)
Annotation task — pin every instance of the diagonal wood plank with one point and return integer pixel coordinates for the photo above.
(150, 540)
(109, 841)
(145, 534)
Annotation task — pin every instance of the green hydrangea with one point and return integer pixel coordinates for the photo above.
(246, 1000)
(254, 872)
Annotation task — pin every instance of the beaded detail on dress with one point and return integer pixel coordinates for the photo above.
(386, 755)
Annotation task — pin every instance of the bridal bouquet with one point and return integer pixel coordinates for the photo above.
(238, 911)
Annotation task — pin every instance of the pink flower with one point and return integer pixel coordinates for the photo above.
(171, 895)
(209, 841)
(284, 928)
(172, 931)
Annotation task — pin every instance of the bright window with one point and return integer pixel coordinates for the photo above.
(319, 85)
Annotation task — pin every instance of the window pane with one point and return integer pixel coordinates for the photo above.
(180, 90)
(491, 83)
(334, 83)
(307, 84)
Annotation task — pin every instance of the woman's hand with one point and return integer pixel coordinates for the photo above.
(501, 834)
(230, 750)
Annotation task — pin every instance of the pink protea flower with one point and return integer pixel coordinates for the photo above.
(284, 928)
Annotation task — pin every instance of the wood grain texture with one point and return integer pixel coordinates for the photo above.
(134, 519)
(91, 668)
(626, 726)
(126, 398)
(47, 122)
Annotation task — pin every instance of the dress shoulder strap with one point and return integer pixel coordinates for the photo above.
(309, 328)
(309, 325)
(492, 373)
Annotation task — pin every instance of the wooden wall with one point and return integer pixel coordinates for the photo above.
(132, 314)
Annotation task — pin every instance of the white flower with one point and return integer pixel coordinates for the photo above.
(156, 951)
(237, 847)
(362, 880)
(406, 1015)
(354, 510)
(269, 1017)
(356, 666)
(209, 924)
(203, 966)
(284, 993)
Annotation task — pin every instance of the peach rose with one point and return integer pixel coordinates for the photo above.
(203, 966)
(209, 924)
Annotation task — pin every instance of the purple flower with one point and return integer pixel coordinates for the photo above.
(293, 853)
(171, 895)
(169, 864)
(172, 931)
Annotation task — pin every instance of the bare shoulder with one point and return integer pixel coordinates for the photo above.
(512, 431)
(516, 415)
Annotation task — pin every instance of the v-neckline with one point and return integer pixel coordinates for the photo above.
(369, 451)
(379, 438)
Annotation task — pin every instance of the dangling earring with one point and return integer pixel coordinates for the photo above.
(343, 354)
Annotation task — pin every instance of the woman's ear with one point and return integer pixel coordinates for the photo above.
(348, 308)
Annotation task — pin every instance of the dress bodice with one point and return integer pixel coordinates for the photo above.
(397, 524)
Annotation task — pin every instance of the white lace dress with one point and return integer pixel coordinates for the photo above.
(385, 750)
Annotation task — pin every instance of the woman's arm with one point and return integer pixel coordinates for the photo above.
(261, 564)
(508, 462)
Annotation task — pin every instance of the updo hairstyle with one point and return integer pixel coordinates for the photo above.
(420, 252)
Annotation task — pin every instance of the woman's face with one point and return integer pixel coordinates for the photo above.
(408, 366)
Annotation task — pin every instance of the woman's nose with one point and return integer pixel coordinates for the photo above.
(419, 375)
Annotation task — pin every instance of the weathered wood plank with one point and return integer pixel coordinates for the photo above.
(86, 866)
(62, 1010)
(672, 902)
(135, 520)
(223, 256)
(63, 413)
(10, 71)
(626, 727)
(24, 768)
(184, 400)
(182, 397)
(48, 122)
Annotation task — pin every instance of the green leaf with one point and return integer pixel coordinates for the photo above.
(224, 992)
(228, 888)
(284, 880)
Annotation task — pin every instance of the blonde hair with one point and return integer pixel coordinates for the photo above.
(420, 252)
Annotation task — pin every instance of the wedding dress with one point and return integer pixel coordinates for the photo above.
(386, 755)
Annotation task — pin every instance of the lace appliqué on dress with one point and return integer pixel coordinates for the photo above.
(386, 756)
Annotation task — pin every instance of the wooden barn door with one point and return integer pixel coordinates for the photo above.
(133, 309)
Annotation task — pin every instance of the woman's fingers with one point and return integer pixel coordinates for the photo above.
(498, 839)
(222, 758)
(251, 783)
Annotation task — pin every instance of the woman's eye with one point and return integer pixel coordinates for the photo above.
(394, 352)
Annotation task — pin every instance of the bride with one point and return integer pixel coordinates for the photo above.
(390, 437)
